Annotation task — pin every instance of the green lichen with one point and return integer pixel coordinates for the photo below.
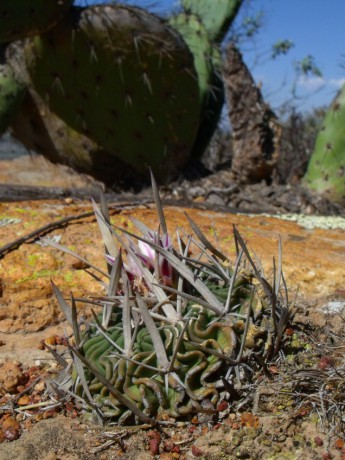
(32, 259)
(39, 274)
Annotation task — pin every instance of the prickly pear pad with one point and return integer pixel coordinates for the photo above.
(216, 15)
(123, 78)
(326, 169)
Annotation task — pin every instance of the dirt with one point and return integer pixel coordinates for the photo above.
(292, 414)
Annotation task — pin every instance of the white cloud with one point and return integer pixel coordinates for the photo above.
(337, 82)
(311, 83)
(315, 83)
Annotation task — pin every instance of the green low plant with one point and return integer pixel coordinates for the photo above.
(179, 326)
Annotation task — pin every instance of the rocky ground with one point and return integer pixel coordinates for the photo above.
(296, 410)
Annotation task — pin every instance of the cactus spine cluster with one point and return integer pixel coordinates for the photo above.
(326, 169)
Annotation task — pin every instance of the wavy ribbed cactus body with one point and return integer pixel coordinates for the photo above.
(326, 169)
(177, 325)
(216, 15)
(195, 375)
(11, 94)
(120, 76)
(145, 387)
(24, 18)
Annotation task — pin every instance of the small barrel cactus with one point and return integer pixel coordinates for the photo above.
(178, 325)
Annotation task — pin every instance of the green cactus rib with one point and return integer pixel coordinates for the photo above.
(124, 79)
(195, 370)
(326, 169)
(11, 95)
(24, 18)
(216, 15)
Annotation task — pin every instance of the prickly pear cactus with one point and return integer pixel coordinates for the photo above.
(11, 94)
(24, 18)
(326, 169)
(216, 15)
(123, 78)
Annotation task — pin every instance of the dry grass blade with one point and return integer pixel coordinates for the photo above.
(98, 279)
(74, 314)
(265, 285)
(180, 279)
(215, 265)
(158, 204)
(137, 363)
(204, 240)
(186, 273)
(274, 299)
(154, 333)
(143, 229)
(63, 304)
(57, 356)
(74, 254)
(180, 339)
(118, 395)
(189, 297)
(279, 268)
(115, 275)
(76, 356)
(126, 315)
(106, 336)
(245, 332)
(106, 233)
(232, 282)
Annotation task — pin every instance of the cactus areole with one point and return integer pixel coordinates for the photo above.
(123, 78)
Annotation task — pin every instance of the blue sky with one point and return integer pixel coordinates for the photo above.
(315, 26)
